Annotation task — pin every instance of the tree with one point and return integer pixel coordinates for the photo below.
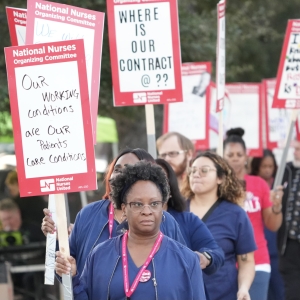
(254, 31)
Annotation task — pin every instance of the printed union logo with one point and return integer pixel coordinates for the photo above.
(47, 185)
(139, 97)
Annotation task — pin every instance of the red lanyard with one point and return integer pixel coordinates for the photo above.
(130, 291)
(110, 219)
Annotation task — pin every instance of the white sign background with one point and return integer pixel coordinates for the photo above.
(21, 34)
(289, 84)
(157, 30)
(189, 117)
(278, 119)
(240, 110)
(46, 31)
(75, 139)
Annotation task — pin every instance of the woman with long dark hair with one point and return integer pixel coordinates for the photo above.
(195, 233)
(214, 194)
(266, 167)
(262, 206)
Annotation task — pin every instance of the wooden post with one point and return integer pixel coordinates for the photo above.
(62, 228)
(150, 127)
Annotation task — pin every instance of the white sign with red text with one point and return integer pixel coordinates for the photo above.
(51, 118)
(16, 18)
(287, 90)
(50, 22)
(221, 51)
(191, 117)
(145, 52)
(242, 108)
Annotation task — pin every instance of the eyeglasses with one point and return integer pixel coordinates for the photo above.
(202, 171)
(138, 207)
(171, 154)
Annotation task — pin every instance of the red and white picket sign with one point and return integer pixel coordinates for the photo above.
(287, 91)
(242, 108)
(50, 110)
(16, 19)
(191, 117)
(276, 121)
(145, 52)
(221, 54)
(52, 22)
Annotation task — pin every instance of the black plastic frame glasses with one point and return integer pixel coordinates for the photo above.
(138, 207)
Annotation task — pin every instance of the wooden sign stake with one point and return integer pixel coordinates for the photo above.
(62, 228)
(150, 126)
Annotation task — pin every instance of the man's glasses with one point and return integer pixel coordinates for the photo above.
(138, 207)
(202, 171)
(171, 154)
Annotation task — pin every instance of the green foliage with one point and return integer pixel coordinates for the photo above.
(254, 36)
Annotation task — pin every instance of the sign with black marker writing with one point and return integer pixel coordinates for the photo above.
(287, 90)
(145, 52)
(51, 117)
(17, 18)
(52, 22)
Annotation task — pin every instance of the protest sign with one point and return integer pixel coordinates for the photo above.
(16, 19)
(276, 120)
(51, 22)
(145, 52)
(242, 108)
(221, 51)
(191, 117)
(51, 118)
(287, 90)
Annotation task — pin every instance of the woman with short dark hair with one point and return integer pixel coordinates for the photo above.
(262, 206)
(101, 220)
(143, 263)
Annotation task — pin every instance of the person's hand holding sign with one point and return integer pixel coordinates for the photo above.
(276, 198)
(65, 265)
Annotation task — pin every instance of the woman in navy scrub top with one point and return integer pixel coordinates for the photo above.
(214, 194)
(100, 220)
(143, 263)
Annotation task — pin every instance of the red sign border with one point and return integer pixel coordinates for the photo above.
(11, 23)
(31, 186)
(278, 102)
(126, 98)
(259, 151)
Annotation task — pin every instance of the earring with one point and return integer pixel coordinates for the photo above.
(164, 218)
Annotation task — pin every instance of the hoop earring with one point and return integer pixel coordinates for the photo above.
(163, 217)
